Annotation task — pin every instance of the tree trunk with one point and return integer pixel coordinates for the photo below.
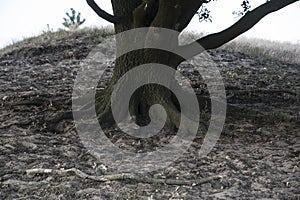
(147, 95)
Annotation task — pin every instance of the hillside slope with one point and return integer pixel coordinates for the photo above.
(257, 155)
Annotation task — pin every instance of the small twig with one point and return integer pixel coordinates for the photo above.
(122, 177)
(24, 183)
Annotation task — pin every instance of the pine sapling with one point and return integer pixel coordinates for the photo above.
(73, 21)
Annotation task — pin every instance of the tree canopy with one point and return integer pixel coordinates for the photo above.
(172, 15)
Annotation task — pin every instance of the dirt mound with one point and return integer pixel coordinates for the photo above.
(257, 155)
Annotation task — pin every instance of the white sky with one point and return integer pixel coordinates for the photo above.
(25, 18)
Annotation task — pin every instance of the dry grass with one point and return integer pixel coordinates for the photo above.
(285, 52)
(282, 51)
(53, 38)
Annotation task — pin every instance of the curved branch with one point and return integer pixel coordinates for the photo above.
(103, 14)
(251, 18)
(121, 177)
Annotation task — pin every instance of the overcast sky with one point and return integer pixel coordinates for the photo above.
(25, 18)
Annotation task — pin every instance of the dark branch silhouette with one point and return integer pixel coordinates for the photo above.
(251, 18)
(103, 14)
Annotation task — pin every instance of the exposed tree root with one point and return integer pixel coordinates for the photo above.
(53, 121)
(18, 123)
(258, 115)
(36, 101)
(122, 177)
(264, 91)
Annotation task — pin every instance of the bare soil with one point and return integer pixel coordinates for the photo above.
(257, 155)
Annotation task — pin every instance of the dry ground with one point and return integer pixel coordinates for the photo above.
(257, 155)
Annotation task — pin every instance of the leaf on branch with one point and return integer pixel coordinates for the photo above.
(245, 6)
(204, 14)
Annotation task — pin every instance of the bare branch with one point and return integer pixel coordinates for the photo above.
(121, 177)
(251, 18)
(103, 14)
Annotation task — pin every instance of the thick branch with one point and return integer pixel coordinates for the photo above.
(145, 13)
(244, 24)
(103, 14)
(167, 14)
